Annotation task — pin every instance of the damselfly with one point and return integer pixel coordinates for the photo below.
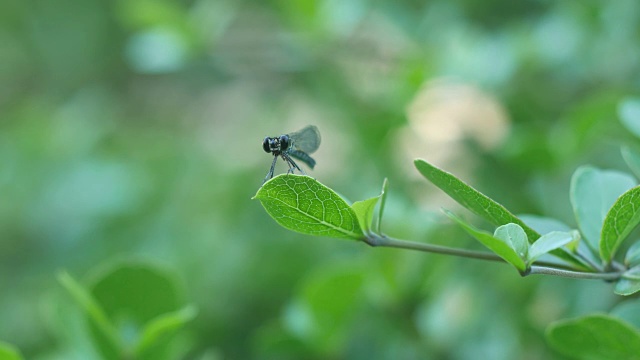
(297, 145)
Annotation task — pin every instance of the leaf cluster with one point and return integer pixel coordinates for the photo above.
(606, 205)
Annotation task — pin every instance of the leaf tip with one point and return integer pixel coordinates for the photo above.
(420, 163)
(447, 212)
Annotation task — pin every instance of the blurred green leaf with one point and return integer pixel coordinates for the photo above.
(330, 296)
(515, 237)
(161, 329)
(383, 201)
(274, 341)
(629, 283)
(9, 352)
(629, 113)
(628, 311)
(621, 219)
(501, 247)
(542, 224)
(109, 343)
(302, 204)
(632, 258)
(134, 294)
(549, 242)
(472, 199)
(595, 337)
(136, 290)
(593, 192)
(364, 211)
(632, 157)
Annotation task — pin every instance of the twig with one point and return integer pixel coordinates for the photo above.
(609, 276)
(541, 267)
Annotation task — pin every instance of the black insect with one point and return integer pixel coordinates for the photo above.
(297, 145)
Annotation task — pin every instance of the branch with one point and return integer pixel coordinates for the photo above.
(608, 276)
(385, 241)
(541, 267)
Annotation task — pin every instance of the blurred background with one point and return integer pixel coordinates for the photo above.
(133, 129)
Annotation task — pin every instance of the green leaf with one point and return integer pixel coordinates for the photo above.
(482, 205)
(543, 224)
(621, 219)
(498, 246)
(9, 352)
(629, 113)
(302, 204)
(629, 283)
(326, 317)
(515, 237)
(629, 311)
(549, 242)
(364, 212)
(471, 198)
(595, 337)
(593, 192)
(136, 290)
(383, 202)
(110, 344)
(133, 294)
(632, 258)
(160, 329)
(632, 157)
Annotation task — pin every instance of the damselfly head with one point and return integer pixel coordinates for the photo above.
(276, 145)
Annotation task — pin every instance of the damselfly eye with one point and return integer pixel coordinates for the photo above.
(265, 144)
(284, 142)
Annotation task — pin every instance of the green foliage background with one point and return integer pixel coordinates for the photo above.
(132, 129)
